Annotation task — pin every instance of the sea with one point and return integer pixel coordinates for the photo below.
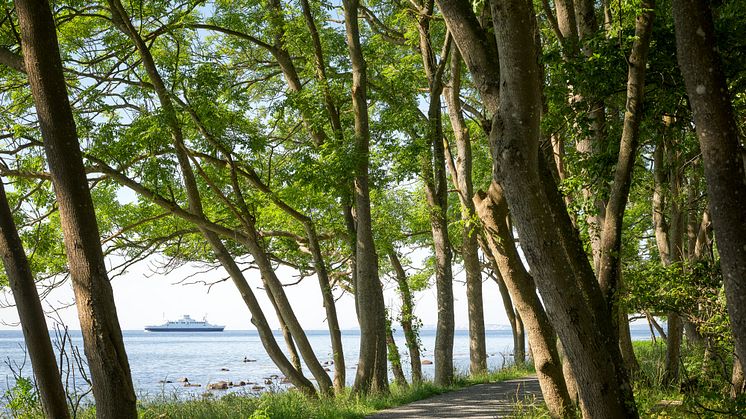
(159, 360)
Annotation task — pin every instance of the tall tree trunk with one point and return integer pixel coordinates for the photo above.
(372, 372)
(407, 317)
(493, 211)
(102, 336)
(462, 179)
(436, 192)
(716, 128)
(31, 315)
(565, 279)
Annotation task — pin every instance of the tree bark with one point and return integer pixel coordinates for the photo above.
(393, 356)
(102, 336)
(436, 191)
(407, 317)
(31, 315)
(609, 266)
(372, 372)
(462, 179)
(493, 211)
(719, 141)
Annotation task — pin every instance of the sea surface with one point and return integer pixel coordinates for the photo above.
(208, 357)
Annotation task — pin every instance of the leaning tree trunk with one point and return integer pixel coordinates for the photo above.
(372, 371)
(274, 287)
(31, 315)
(393, 355)
(102, 336)
(493, 211)
(407, 317)
(706, 86)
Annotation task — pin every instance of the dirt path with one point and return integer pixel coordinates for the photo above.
(494, 400)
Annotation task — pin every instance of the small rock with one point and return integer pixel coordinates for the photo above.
(220, 385)
(224, 369)
(257, 388)
(248, 360)
(230, 384)
(285, 380)
(183, 380)
(241, 383)
(165, 382)
(188, 384)
(327, 369)
(267, 381)
(427, 362)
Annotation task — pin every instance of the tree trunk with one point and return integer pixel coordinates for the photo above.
(436, 192)
(558, 262)
(372, 371)
(393, 356)
(407, 317)
(493, 211)
(462, 178)
(716, 128)
(514, 318)
(31, 315)
(102, 336)
(609, 267)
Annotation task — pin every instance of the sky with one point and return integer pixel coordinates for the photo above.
(144, 298)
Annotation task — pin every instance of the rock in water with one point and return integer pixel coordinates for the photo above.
(220, 385)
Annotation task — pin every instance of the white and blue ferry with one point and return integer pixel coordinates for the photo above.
(185, 324)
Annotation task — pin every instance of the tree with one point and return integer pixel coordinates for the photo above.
(564, 277)
(372, 366)
(707, 90)
(31, 314)
(102, 336)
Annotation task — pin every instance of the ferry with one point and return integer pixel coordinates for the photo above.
(185, 324)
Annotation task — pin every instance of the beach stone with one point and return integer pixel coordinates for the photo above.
(268, 381)
(285, 380)
(327, 369)
(427, 362)
(165, 382)
(224, 369)
(220, 385)
(257, 388)
(241, 383)
(183, 380)
(188, 384)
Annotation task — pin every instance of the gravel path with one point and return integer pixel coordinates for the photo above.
(493, 400)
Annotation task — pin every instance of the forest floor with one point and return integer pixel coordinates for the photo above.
(500, 399)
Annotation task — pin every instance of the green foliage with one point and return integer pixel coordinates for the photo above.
(22, 400)
(694, 290)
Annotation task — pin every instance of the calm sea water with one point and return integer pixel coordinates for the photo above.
(209, 357)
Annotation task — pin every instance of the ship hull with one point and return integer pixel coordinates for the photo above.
(183, 329)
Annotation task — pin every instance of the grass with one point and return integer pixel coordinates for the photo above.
(292, 404)
(23, 402)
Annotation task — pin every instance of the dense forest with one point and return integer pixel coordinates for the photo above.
(587, 155)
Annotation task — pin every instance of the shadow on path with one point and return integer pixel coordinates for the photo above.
(493, 400)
